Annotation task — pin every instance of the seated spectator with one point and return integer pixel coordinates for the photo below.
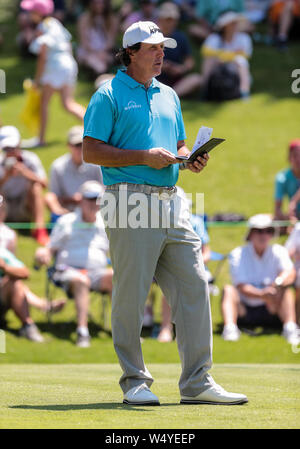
(147, 11)
(97, 32)
(67, 174)
(287, 183)
(261, 274)
(179, 61)
(12, 294)
(293, 246)
(208, 12)
(22, 180)
(79, 244)
(56, 69)
(284, 18)
(8, 241)
(227, 49)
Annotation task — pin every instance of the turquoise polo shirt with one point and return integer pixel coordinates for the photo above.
(286, 185)
(126, 115)
(10, 260)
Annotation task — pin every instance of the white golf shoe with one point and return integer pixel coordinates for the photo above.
(215, 395)
(140, 395)
(231, 333)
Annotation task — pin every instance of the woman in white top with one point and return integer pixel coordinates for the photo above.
(225, 45)
(56, 67)
(97, 30)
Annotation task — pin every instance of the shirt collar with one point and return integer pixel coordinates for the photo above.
(132, 83)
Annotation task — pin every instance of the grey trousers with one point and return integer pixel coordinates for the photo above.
(172, 253)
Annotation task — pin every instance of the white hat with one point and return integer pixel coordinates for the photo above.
(259, 221)
(75, 135)
(147, 32)
(228, 17)
(9, 137)
(91, 189)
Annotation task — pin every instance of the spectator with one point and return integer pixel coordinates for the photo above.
(67, 174)
(287, 183)
(22, 180)
(8, 241)
(177, 62)
(208, 12)
(79, 243)
(284, 18)
(97, 31)
(12, 294)
(147, 12)
(261, 274)
(293, 246)
(256, 11)
(228, 49)
(56, 67)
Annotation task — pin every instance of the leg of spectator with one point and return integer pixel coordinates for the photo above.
(41, 303)
(36, 205)
(47, 92)
(67, 98)
(165, 334)
(106, 281)
(54, 205)
(286, 307)
(230, 304)
(80, 288)
(298, 305)
(285, 20)
(14, 295)
(188, 84)
(243, 69)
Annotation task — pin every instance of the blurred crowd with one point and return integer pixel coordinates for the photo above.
(211, 62)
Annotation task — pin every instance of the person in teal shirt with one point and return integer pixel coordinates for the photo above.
(210, 10)
(287, 183)
(134, 130)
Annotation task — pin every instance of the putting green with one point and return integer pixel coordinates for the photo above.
(88, 396)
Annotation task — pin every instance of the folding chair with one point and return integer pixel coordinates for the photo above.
(220, 258)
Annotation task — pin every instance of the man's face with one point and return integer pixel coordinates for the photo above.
(89, 208)
(260, 238)
(76, 153)
(149, 59)
(295, 158)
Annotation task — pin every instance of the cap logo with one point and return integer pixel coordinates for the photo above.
(154, 30)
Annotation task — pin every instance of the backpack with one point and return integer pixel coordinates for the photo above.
(223, 83)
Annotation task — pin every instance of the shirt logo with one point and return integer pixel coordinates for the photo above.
(132, 105)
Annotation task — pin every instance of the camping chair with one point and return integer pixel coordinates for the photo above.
(220, 259)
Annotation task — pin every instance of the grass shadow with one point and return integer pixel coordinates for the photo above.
(96, 406)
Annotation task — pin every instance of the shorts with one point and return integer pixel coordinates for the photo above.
(259, 316)
(63, 278)
(17, 209)
(58, 77)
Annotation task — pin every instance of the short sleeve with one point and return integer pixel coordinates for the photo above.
(238, 274)
(99, 117)
(284, 260)
(279, 186)
(212, 41)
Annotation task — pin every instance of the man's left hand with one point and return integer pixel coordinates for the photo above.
(198, 165)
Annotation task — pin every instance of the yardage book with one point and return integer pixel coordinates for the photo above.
(203, 144)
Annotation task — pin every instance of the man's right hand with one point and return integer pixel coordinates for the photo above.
(159, 158)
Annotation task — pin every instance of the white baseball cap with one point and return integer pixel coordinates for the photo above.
(259, 221)
(227, 18)
(147, 32)
(9, 137)
(75, 135)
(91, 189)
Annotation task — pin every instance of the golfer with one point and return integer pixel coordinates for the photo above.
(134, 130)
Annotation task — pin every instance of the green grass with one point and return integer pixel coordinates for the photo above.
(87, 396)
(239, 178)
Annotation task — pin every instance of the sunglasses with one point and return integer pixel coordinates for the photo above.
(263, 231)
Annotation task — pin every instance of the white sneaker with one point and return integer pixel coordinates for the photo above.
(141, 395)
(231, 332)
(292, 335)
(215, 395)
(31, 332)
